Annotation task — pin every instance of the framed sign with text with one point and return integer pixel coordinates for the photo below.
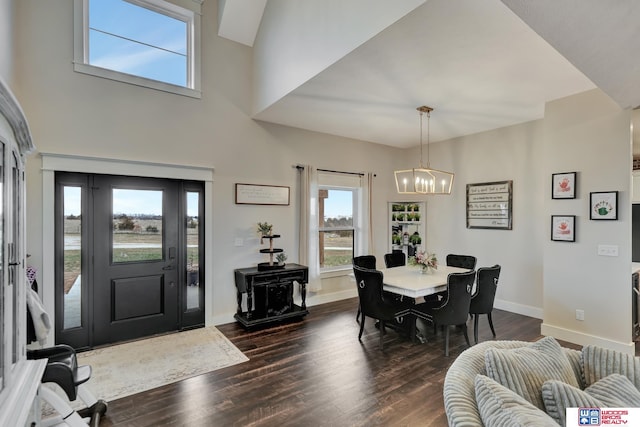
(489, 205)
(255, 194)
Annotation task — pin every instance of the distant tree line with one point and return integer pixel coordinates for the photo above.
(343, 221)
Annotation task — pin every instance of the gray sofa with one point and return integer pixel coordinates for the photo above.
(470, 369)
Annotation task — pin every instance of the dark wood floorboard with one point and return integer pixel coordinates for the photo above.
(315, 372)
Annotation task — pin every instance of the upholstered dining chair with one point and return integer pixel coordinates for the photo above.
(372, 302)
(364, 261)
(395, 259)
(485, 294)
(453, 309)
(462, 261)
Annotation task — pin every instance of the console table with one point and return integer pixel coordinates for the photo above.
(270, 294)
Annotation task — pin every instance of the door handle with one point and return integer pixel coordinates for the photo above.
(168, 267)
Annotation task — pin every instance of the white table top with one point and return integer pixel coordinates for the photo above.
(407, 280)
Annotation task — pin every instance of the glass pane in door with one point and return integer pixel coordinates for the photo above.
(2, 267)
(137, 225)
(72, 254)
(15, 251)
(193, 250)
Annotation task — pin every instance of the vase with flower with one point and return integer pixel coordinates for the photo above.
(428, 262)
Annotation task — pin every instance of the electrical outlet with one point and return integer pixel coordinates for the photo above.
(579, 314)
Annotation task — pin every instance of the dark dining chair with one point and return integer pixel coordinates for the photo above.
(395, 259)
(453, 309)
(372, 302)
(485, 294)
(364, 261)
(462, 261)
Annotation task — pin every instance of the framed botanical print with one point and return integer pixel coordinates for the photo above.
(563, 228)
(563, 185)
(604, 205)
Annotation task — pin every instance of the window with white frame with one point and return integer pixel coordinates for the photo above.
(152, 43)
(339, 215)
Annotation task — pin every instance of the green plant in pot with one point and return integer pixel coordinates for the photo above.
(415, 239)
(281, 258)
(264, 229)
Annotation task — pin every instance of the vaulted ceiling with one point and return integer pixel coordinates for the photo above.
(480, 65)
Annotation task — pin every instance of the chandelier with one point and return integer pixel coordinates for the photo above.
(423, 180)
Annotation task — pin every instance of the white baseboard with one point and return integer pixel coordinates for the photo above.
(586, 339)
(331, 297)
(525, 310)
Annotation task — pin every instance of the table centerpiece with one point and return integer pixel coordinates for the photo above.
(428, 262)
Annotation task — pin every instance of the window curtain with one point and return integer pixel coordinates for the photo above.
(308, 232)
(365, 235)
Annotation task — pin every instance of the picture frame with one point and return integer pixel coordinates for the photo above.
(563, 185)
(257, 194)
(490, 205)
(603, 205)
(563, 228)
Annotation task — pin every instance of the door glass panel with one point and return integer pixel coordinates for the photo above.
(2, 283)
(137, 225)
(193, 250)
(72, 296)
(15, 252)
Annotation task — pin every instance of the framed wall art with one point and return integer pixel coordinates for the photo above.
(563, 228)
(603, 204)
(489, 205)
(563, 185)
(255, 194)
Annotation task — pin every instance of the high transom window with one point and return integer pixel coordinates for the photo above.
(149, 43)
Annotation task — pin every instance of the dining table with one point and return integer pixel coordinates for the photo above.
(410, 281)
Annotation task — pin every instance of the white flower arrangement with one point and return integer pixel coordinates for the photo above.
(425, 260)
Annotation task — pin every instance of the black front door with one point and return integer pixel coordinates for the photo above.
(135, 258)
(128, 257)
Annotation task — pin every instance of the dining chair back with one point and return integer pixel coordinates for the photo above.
(372, 303)
(365, 261)
(453, 309)
(462, 261)
(395, 259)
(484, 296)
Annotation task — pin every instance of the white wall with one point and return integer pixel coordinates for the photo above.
(511, 153)
(6, 40)
(589, 134)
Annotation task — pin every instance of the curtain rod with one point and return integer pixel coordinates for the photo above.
(334, 171)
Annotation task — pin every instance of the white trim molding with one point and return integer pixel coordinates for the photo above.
(586, 339)
(81, 164)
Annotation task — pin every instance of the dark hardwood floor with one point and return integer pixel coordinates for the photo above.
(315, 372)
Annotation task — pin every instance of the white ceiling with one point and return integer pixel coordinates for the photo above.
(475, 62)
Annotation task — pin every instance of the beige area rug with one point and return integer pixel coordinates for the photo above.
(125, 369)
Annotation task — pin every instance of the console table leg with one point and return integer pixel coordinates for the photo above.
(303, 294)
(239, 298)
(249, 301)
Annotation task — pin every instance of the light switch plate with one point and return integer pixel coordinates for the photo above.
(608, 250)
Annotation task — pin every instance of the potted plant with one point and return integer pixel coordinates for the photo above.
(264, 229)
(415, 239)
(281, 258)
